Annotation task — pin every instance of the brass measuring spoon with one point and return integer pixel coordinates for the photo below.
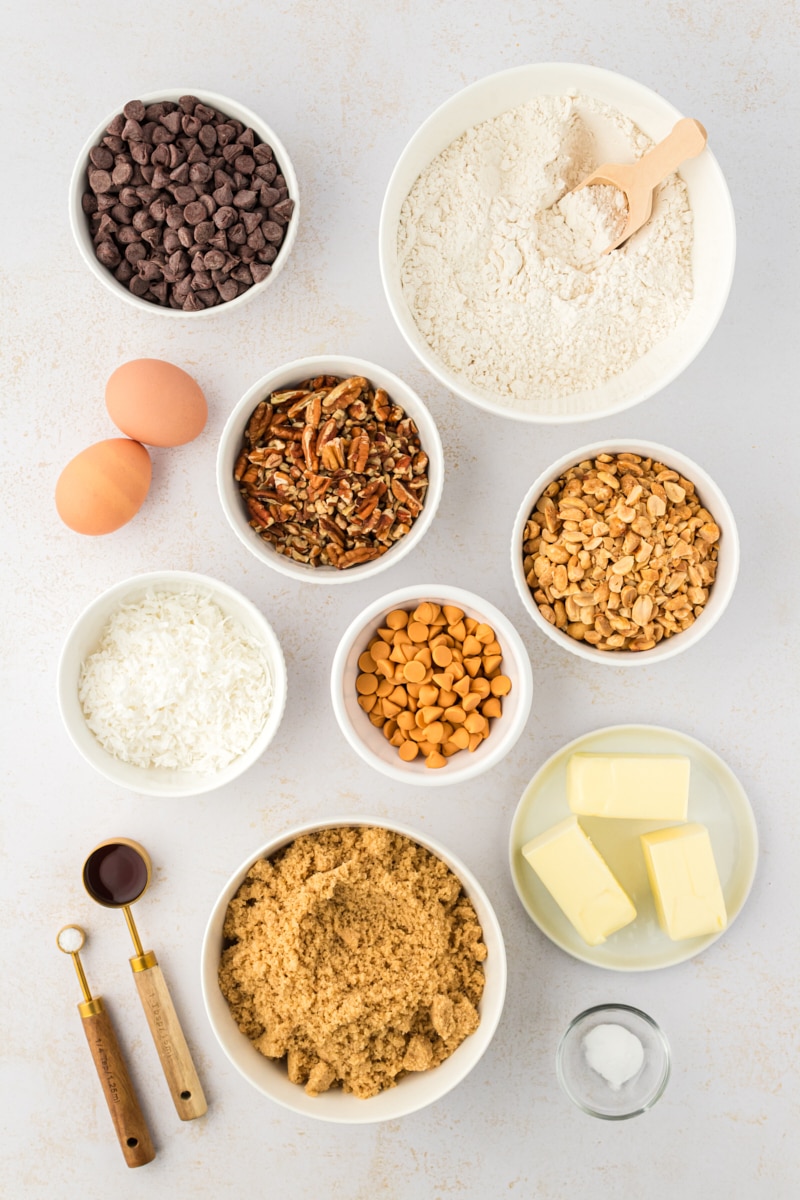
(117, 873)
(129, 1123)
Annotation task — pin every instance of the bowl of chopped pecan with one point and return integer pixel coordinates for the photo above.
(625, 552)
(330, 469)
(181, 203)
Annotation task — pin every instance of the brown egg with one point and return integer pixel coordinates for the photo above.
(156, 403)
(101, 488)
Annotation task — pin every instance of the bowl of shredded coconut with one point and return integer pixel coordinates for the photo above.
(171, 683)
(493, 267)
(353, 970)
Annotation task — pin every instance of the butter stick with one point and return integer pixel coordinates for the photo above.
(649, 787)
(685, 882)
(580, 881)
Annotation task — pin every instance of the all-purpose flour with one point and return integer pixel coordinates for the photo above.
(504, 272)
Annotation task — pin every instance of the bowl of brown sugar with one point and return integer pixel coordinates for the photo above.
(353, 970)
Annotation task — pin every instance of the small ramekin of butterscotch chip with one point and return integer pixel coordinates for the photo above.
(431, 685)
(625, 552)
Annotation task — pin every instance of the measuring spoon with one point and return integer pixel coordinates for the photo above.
(116, 874)
(129, 1123)
(637, 180)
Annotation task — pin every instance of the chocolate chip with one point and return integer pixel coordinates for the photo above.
(101, 157)
(223, 195)
(134, 110)
(135, 252)
(194, 213)
(272, 231)
(173, 190)
(225, 217)
(184, 195)
(99, 181)
(108, 254)
(204, 232)
(121, 174)
(245, 163)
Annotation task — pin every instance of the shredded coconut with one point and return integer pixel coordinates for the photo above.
(503, 271)
(176, 683)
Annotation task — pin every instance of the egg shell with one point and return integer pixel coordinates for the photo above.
(156, 402)
(105, 485)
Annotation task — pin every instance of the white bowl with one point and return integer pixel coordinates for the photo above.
(369, 742)
(414, 1091)
(714, 241)
(727, 565)
(79, 222)
(84, 638)
(232, 439)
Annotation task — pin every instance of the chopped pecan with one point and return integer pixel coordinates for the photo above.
(336, 475)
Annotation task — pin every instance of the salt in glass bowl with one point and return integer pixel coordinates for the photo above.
(588, 1089)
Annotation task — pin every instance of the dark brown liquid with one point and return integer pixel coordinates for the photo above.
(115, 874)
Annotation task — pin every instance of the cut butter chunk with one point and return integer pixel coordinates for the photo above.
(683, 876)
(580, 881)
(648, 787)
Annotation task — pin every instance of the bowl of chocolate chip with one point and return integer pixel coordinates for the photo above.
(625, 552)
(330, 469)
(181, 203)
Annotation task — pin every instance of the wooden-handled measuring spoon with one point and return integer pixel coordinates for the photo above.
(637, 180)
(116, 874)
(129, 1123)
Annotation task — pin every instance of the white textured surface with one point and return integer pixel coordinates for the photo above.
(345, 85)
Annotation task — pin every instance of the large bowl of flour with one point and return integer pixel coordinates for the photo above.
(496, 276)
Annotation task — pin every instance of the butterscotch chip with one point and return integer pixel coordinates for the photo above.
(366, 684)
(366, 662)
(421, 703)
(414, 671)
(501, 686)
(442, 656)
(435, 760)
(408, 751)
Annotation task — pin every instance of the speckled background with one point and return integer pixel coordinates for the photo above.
(345, 85)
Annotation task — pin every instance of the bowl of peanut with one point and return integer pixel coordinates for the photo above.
(625, 552)
(431, 685)
(330, 469)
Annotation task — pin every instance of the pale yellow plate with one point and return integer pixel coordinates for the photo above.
(716, 799)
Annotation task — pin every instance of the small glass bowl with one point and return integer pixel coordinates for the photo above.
(588, 1089)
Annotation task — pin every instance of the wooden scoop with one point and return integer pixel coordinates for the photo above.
(637, 180)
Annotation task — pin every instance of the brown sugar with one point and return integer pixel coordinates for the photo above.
(355, 955)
